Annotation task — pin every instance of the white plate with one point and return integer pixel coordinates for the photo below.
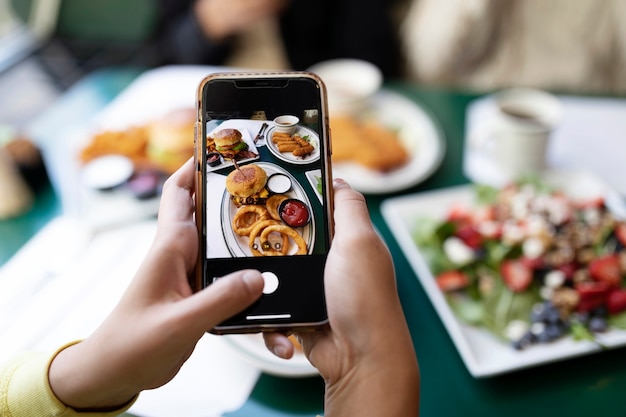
(238, 245)
(483, 353)
(245, 135)
(288, 156)
(418, 132)
(252, 348)
(313, 177)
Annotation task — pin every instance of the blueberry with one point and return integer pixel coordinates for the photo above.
(581, 317)
(523, 342)
(553, 331)
(552, 315)
(598, 325)
(538, 313)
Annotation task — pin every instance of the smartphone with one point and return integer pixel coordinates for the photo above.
(263, 193)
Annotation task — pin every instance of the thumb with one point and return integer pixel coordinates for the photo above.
(224, 298)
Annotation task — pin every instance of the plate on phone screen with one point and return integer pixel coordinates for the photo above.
(238, 245)
(305, 133)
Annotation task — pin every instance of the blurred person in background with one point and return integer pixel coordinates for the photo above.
(562, 45)
(276, 34)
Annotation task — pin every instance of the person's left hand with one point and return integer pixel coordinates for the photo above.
(153, 330)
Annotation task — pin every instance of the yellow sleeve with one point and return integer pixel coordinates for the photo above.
(25, 391)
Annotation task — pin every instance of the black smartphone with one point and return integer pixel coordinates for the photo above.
(263, 193)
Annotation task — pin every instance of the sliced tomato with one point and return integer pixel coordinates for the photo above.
(452, 280)
(517, 275)
(616, 301)
(592, 294)
(459, 214)
(469, 235)
(606, 269)
(533, 263)
(620, 233)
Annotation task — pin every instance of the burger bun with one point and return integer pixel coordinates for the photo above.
(246, 181)
(171, 139)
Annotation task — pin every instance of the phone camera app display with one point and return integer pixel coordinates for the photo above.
(264, 185)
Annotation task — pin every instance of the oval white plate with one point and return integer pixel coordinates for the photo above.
(288, 156)
(252, 348)
(419, 133)
(238, 245)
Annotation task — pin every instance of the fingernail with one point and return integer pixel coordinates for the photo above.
(340, 183)
(280, 351)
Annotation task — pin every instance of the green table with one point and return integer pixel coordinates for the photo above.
(585, 386)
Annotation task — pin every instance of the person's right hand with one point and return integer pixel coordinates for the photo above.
(366, 355)
(222, 18)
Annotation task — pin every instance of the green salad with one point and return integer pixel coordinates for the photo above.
(529, 263)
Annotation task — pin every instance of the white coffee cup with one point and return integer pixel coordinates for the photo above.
(522, 124)
(351, 84)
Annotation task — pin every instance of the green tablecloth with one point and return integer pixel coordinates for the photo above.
(585, 386)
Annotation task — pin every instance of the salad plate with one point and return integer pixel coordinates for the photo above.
(483, 353)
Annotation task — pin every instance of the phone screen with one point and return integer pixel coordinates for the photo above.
(266, 201)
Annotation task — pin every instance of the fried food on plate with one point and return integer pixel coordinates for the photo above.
(367, 143)
(273, 203)
(247, 216)
(131, 143)
(164, 143)
(296, 144)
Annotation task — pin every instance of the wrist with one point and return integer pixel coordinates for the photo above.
(381, 388)
(81, 383)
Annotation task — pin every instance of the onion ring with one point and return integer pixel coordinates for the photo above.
(286, 231)
(272, 203)
(247, 217)
(268, 251)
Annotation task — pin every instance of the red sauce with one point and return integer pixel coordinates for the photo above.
(294, 213)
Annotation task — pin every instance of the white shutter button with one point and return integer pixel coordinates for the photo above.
(271, 282)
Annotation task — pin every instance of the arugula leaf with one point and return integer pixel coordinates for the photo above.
(503, 305)
(468, 310)
(485, 194)
(618, 320)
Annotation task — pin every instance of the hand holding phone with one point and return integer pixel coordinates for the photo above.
(265, 203)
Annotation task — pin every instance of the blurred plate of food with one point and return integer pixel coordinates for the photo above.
(120, 172)
(392, 145)
(300, 147)
(522, 275)
(247, 211)
(149, 122)
(252, 349)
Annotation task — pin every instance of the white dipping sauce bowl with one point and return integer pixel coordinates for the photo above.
(286, 124)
